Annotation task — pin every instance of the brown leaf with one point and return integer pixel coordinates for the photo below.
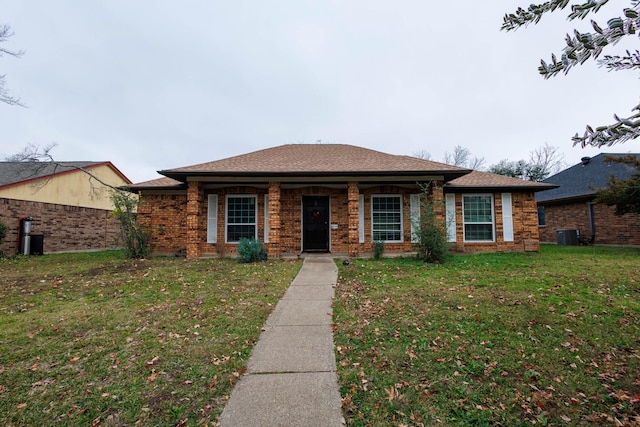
(152, 361)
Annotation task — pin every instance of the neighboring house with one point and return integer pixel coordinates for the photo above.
(331, 198)
(69, 207)
(571, 206)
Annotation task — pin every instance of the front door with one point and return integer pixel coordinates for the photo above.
(315, 224)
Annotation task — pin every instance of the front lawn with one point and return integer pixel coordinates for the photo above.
(497, 339)
(95, 339)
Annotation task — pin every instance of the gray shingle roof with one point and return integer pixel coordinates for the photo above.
(577, 181)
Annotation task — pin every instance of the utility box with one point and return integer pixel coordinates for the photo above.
(567, 237)
(37, 244)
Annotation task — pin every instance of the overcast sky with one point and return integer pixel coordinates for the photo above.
(152, 85)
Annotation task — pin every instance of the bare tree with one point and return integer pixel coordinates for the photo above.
(5, 35)
(422, 154)
(548, 159)
(462, 157)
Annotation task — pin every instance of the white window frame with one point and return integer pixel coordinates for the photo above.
(212, 218)
(361, 218)
(492, 222)
(507, 217)
(414, 203)
(450, 217)
(397, 196)
(266, 218)
(226, 215)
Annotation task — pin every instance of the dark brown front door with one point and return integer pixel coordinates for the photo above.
(315, 224)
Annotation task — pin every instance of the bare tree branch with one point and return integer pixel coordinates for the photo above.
(5, 35)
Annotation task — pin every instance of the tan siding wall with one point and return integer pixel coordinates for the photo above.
(74, 188)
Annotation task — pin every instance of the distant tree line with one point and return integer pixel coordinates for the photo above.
(543, 162)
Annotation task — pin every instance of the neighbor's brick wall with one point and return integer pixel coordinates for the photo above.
(610, 229)
(525, 226)
(65, 228)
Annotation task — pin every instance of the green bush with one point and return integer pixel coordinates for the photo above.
(431, 237)
(3, 231)
(251, 250)
(378, 249)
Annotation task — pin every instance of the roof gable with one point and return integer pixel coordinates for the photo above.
(314, 159)
(579, 180)
(15, 173)
(478, 180)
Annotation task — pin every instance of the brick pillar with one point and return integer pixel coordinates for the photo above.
(437, 198)
(273, 248)
(194, 201)
(354, 218)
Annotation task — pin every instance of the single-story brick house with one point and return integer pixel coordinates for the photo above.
(571, 205)
(332, 198)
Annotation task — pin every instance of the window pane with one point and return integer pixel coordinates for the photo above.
(237, 232)
(387, 218)
(478, 218)
(478, 232)
(241, 218)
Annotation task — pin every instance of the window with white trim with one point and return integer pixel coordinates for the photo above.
(478, 217)
(241, 218)
(386, 218)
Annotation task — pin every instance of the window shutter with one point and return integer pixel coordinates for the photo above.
(507, 217)
(212, 219)
(414, 203)
(450, 208)
(266, 218)
(361, 218)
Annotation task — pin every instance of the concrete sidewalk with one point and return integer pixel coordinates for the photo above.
(291, 378)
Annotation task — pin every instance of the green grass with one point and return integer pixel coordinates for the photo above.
(497, 339)
(97, 339)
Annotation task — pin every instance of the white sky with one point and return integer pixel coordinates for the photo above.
(153, 85)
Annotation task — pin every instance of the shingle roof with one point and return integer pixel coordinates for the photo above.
(578, 180)
(314, 159)
(16, 172)
(159, 183)
(477, 180)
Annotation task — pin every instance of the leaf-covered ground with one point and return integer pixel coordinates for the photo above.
(496, 339)
(95, 339)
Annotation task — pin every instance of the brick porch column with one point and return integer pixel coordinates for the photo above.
(194, 201)
(354, 218)
(273, 247)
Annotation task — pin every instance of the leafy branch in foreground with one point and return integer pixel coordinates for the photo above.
(581, 47)
(624, 194)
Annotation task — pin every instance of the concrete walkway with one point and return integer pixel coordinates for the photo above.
(291, 378)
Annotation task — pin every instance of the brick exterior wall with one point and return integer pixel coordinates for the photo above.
(179, 221)
(166, 217)
(65, 228)
(525, 226)
(610, 229)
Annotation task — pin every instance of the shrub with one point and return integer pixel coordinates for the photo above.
(378, 249)
(137, 237)
(431, 246)
(251, 250)
(3, 234)
(3, 231)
